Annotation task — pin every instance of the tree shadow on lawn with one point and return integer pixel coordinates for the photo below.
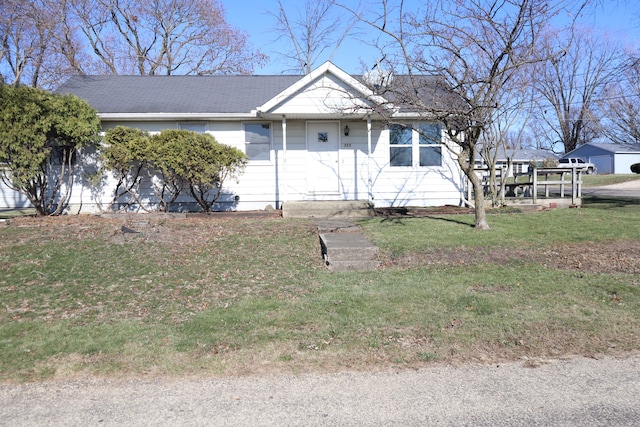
(609, 202)
(398, 214)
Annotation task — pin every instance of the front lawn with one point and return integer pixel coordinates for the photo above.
(233, 296)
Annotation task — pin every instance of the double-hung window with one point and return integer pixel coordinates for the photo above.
(430, 148)
(400, 139)
(413, 146)
(257, 138)
(193, 127)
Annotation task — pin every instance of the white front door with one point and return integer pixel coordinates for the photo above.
(323, 139)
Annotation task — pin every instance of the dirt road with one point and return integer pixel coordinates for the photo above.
(573, 392)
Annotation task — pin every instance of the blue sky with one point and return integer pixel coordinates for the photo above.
(621, 18)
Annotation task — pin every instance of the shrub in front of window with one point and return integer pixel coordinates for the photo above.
(195, 163)
(124, 152)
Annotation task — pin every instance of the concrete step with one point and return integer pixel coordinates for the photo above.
(328, 209)
(353, 265)
(348, 252)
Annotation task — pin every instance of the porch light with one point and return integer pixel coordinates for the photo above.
(346, 131)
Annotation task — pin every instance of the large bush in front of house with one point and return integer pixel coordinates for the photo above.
(194, 163)
(168, 164)
(124, 153)
(40, 134)
(635, 168)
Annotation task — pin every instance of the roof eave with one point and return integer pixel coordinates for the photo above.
(130, 117)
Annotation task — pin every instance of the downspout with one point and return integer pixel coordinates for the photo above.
(284, 160)
(369, 183)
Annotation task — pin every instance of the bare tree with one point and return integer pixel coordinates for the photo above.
(163, 37)
(27, 33)
(570, 84)
(316, 32)
(505, 133)
(620, 106)
(476, 47)
(45, 40)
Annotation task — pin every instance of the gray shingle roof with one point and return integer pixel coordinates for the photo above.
(222, 94)
(616, 148)
(520, 154)
(176, 94)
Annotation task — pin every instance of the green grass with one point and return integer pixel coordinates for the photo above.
(509, 230)
(16, 213)
(597, 180)
(237, 296)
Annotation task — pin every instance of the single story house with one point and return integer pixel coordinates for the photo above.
(308, 138)
(520, 158)
(608, 158)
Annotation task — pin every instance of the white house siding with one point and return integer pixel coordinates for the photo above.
(415, 186)
(265, 184)
(427, 186)
(623, 162)
(10, 199)
(325, 96)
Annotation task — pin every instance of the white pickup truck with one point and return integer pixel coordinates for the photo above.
(575, 162)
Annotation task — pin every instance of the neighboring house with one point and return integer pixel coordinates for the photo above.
(520, 158)
(313, 137)
(608, 158)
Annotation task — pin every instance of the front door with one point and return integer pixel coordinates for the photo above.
(323, 139)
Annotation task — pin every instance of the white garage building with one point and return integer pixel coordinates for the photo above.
(608, 158)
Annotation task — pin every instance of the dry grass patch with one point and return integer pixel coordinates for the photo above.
(620, 256)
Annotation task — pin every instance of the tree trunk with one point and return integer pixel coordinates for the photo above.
(478, 200)
(466, 160)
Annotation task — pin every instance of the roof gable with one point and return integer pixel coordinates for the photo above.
(327, 88)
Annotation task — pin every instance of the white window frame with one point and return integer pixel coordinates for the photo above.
(415, 146)
(270, 143)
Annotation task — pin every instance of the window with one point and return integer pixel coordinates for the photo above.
(257, 137)
(60, 155)
(400, 138)
(194, 127)
(429, 137)
(422, 143)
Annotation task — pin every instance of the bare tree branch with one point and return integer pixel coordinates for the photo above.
(570, 84)
(312, 33)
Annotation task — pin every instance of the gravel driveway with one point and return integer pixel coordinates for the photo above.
(624, 189)
(572, 392)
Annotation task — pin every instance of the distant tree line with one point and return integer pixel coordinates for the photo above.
(44, 41)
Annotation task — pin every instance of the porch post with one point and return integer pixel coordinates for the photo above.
(283, 198)
(369, 184)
